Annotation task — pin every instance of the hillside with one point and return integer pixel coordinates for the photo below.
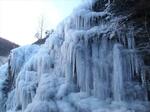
(6, 46)
(97, 60)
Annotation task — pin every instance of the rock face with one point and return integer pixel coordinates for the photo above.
(136, 15)
(94, 62)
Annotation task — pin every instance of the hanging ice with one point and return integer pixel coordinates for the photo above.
(118, 88)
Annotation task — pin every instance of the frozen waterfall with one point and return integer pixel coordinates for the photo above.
(86, 65)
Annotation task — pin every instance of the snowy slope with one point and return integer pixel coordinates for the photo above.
(86, 65)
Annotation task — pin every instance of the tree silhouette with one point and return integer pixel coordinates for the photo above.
(39, 34)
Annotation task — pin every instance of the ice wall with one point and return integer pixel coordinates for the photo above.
(86, 65)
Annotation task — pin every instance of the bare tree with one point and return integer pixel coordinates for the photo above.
(39, 34)
(42, 32)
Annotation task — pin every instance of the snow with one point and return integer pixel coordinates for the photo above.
(82, 67)
(42, 106)
(64, 106)
(3, 60)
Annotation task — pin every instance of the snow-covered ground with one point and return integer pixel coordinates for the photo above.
(82, 67)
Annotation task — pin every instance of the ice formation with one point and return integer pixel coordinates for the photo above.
(86, 65)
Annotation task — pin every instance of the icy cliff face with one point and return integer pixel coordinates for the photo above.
(86, 65)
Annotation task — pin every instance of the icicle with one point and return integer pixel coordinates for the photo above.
(95, 68)
(80, 66)
(88, 72)
(118, 73)
(130, 39)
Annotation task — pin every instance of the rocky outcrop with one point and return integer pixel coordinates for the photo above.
(135, 15)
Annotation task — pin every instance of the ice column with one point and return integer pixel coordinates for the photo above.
(117, 73)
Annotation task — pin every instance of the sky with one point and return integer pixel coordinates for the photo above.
(19, 19)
